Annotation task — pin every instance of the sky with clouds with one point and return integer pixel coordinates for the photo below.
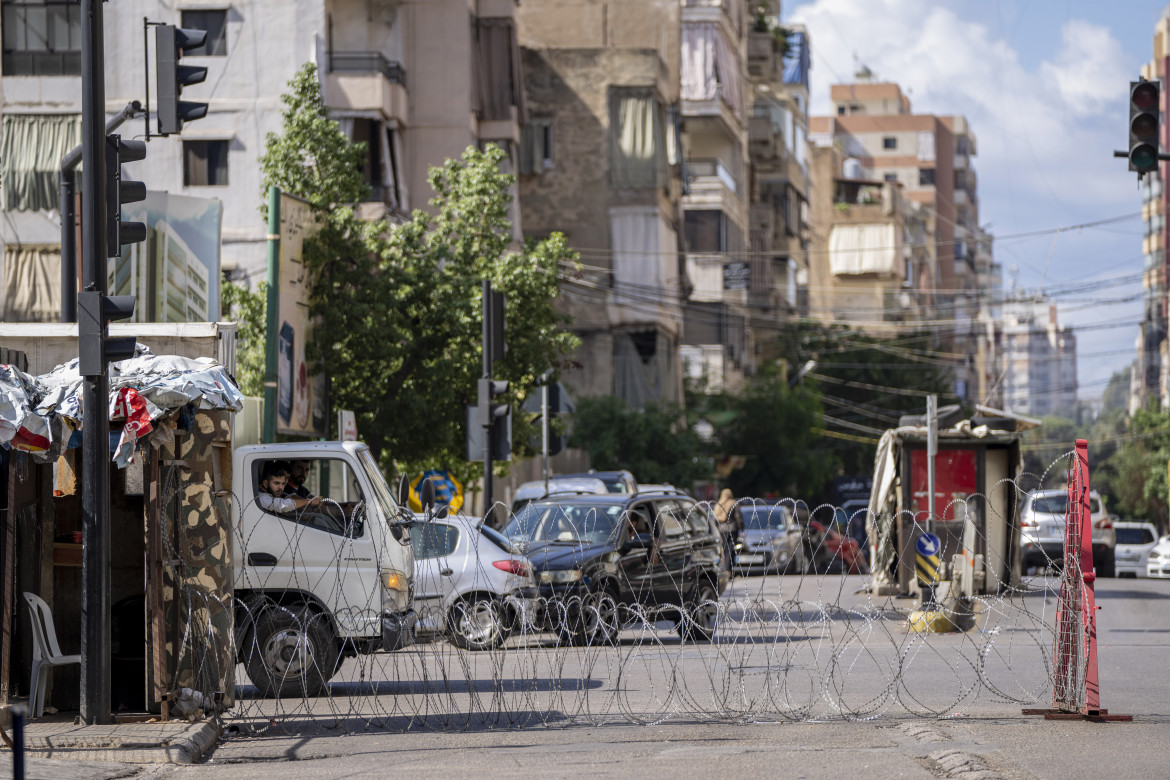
(1045, 87)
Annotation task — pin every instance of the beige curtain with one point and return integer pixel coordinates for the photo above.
(32, 283)
(637, 139)
(30, 158)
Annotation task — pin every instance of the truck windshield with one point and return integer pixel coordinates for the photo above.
(381, 492)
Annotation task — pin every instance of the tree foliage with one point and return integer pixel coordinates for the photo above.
(772, 426)
(654, 443)
(866, 381)
(246, 308)
(398, 306)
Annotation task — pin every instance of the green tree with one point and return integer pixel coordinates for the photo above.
(398, 306)
(654, 443)
(866, 381)
(1136, 474)
(772, 427)
(246, 308)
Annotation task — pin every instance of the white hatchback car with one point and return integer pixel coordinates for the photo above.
(1134, 542)
(471, 584)
(1158, 564)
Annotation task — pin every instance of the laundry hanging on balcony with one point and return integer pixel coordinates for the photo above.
(710, 66)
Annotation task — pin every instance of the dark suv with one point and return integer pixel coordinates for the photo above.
(601, 561)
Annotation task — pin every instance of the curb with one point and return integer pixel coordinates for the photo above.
(163, 743)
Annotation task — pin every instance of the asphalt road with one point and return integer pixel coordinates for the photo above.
(401, 725)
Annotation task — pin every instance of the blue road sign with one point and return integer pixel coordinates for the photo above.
(928, 545)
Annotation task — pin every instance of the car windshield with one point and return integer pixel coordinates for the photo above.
(760, 518)
(1058, 504)
(1053, 505)
(499, 540)
(1134, 536)
(565, 522)
(382, 495)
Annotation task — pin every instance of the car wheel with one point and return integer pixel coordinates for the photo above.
(595, 619)
(476, 623)
(700, 614)
(292, 652)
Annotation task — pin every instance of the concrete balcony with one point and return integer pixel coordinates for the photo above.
(761, 139)
(366, 81)
(724, 12)
(507, 129)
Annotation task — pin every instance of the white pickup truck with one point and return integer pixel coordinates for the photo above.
(320, 576)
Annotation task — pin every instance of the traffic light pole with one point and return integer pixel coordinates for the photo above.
(488, 503)
(95, 492)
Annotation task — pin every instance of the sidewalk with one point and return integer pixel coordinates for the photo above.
(173, 742)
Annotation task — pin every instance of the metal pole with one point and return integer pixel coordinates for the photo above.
(270, 329)
(19, 712)
(95, 498)
(68, 248)
(69, 215)
(488, 503)
(544, 429)
(931, 451)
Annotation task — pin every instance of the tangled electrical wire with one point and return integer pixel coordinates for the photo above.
(304, 641)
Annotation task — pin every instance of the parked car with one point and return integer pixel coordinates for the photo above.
(599, 561)
(828, 551)
(615, 481)
(1158, 563)
(771, 539)
(1134, 543)
(470, 583)
(556, 486)
(1042, 529)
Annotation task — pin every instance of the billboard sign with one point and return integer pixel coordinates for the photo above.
(301, 404)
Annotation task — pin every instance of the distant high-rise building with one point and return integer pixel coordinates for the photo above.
(1039, 359)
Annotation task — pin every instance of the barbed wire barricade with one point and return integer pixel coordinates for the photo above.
(508, 635)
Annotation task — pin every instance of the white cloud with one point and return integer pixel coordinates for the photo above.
(1088, 71)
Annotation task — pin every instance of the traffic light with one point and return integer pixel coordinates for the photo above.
(493, 415)
(120, 191)
(95, 347)
(169, 44)
(1144, 121)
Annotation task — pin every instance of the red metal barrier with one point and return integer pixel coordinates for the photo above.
(1076, 691)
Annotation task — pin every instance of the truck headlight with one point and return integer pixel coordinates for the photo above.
(559, 576)
(395, 590)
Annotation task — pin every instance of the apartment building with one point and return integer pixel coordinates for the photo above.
(600, 161)
(1039, 358)
(929, 157)
(418, 80)
(1150, 379)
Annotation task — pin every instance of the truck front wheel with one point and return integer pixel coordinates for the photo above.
(292, 652)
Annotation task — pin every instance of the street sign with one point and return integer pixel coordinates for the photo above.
(346, 425)
(928, 549)
(448, 490)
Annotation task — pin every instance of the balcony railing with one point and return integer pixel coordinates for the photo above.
(728, 7)
(700, 168)
(367, 62)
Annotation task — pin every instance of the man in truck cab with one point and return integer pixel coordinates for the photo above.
(271, 497)
(298, 473)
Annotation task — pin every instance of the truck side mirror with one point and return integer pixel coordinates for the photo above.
(403, 492)
(426, 492)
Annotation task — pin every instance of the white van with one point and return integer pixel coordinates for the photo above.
(320, 576)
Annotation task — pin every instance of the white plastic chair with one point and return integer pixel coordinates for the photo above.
(46, 652)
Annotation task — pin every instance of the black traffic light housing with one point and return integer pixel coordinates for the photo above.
(169, 44)
(96, 348)
(1144, 125)
(120, 191)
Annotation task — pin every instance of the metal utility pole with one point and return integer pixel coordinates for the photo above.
(544, 380)
(487, 376)
(95, 494)
(931, 452)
